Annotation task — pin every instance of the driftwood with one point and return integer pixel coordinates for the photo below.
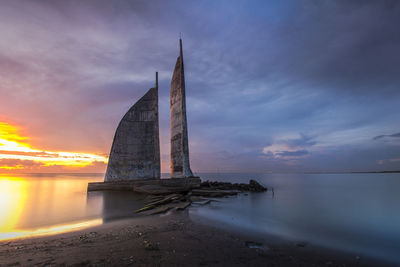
(166, 199)
(152, 198)
(183, 205)
(204, 202)
(161, 209)
(162, 201)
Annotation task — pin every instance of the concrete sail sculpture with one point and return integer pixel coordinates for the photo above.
(180, 166)
(135, 152)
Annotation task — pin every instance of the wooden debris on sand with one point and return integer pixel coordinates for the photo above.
(161, 209)
(158, 202)
(183, 205)
(181, 198)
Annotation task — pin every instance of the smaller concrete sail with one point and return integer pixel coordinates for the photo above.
(180, 165)
(135, 152)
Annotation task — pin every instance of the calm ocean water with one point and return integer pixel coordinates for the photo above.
(353, 212)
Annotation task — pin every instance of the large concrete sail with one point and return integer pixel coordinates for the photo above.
(180, 166)
(135, 152)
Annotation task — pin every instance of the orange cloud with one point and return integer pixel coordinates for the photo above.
(10, 132)
(18, 164)
(17, 154)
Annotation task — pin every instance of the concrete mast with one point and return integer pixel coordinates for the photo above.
(135, 152)
(180, 166)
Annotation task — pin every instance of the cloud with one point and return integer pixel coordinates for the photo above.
(297, 153)
(257, 74)
(290, 148)
(302, 141)
(395, 135)
(19, 164)
(43, 154)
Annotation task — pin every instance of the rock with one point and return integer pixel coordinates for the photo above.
(150, 246)
(256, 245)
(253, 186)
(256, 187)
(302, 244)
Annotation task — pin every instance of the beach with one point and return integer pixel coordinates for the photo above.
(166, 240)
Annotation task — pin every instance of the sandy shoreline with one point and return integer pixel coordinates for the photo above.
(170, 240)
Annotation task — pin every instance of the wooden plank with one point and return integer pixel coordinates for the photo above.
(160, 210)
(182, 205)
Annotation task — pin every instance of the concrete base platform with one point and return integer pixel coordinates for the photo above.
(148, 186)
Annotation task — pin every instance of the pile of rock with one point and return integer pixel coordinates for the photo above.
(252, 186)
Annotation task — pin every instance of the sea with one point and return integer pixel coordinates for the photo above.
(352, 212)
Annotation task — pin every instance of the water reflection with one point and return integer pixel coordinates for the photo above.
(45, 204)
(116, 205)
(50, 230)
(347, 211)
(12, 199)
(352, 212)
(53, 203)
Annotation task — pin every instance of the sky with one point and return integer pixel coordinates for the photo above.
(271, 86)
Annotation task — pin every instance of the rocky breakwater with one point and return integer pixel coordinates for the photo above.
(252, 186)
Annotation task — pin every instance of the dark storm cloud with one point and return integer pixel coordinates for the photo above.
(310, 75)
(345, 45)
(397, 135)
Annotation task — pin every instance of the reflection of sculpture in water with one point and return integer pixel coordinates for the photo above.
(115, 204)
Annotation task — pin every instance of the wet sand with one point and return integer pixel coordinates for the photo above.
(169, 240)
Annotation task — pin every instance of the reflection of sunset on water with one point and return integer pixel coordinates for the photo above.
(57, 229)
(12, 201)
(17, 154)
(42, 205)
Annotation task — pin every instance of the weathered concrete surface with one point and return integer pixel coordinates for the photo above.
(138, 185)
(180, 166)
(135, 152)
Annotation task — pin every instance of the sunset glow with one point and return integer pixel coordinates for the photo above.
(17, 154)
(51, 230)
(12, 197)
(37, 207)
